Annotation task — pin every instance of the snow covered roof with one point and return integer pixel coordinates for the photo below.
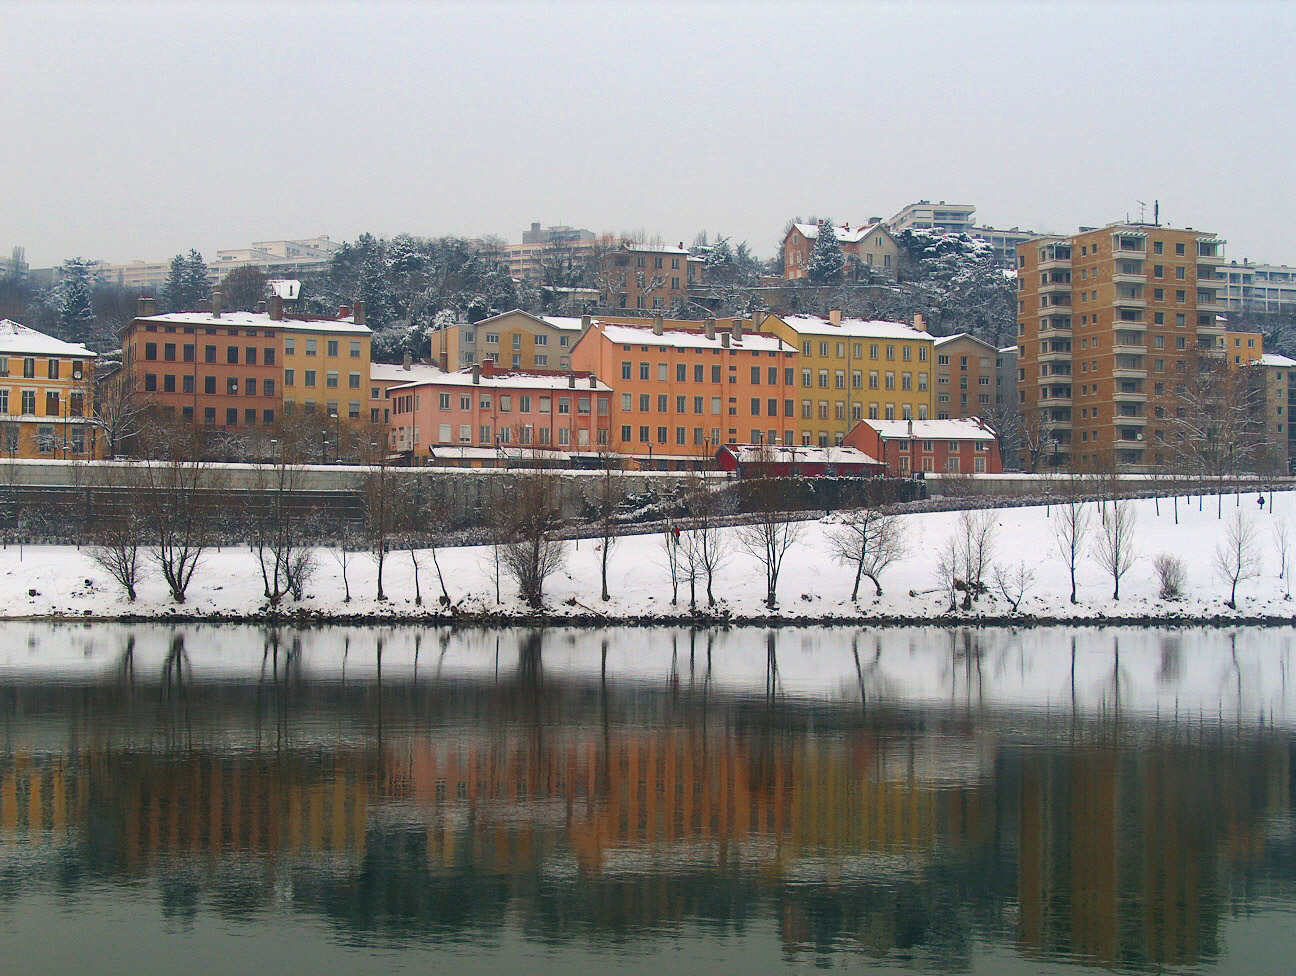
(259, 320)
(16, 339)
(387, 372)
(932, 430)
(1009, 349)
(845, 234)
(628, 335)
(1273, 359)
(965, 335)
(853, 328)
(776, 454)
(510, 379)
(655, 248)
(568, 322)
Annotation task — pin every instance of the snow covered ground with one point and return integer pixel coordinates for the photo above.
(62, 581)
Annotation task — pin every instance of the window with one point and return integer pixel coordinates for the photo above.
(332, 347)
(290, 345)
(268, 388)
(310, 377)
(168, 383)
(231, 416)
(150, 353)
(290, 378)
(232, 386)
(355, 347)
(312, 346)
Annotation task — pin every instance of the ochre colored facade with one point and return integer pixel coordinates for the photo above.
(46, 396)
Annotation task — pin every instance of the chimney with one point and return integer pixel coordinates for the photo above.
(758, 319)
(724, 339)
(593, 382)
(659, 326)
(216, 303)
(834, 316)
(737, 330)
(477, 375)
(344, 311)
(147, 307)
(681, 243)
(261, 307)
(407, 361)
(445, 361)
(276, 308)
(919, 323)
(585, 323)
(357, 313)
(488, 367)
(709, 328)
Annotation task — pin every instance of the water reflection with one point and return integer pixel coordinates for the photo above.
(929, 798)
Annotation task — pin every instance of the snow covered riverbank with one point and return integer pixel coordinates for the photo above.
(56, 581)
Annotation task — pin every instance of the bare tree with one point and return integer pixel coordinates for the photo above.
(378, 491)
(176, 502)
(1114, 549)
(976, 544)
(281, 532)
(532, 551)
(1237, 558)
(1208, 416)
(1172, 576)
(770, 534)
(1070, 532)
(346, 543)
(711, 544)
(1282, 535)
(948, 570)
(120, 410)
(118, 537)
(1013, 584)
(868, 540)
(608, 495)
(670, 543)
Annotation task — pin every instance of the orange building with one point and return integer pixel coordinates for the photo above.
(680, 394)
(46, 402)
(644, 276)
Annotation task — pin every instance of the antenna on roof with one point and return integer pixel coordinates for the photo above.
(1142, 209)
(1156, 213)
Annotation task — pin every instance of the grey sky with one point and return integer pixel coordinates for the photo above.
(137, 130)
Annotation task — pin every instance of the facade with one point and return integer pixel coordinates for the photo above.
(1004, 243)
(1266, 288)
(865, 247)
(1241, 348)
(513, 340)
(479, 407)
(847, 370)
(949, 218)
(1006, 376)
(681, 394)
(243, 370)
(272, 257)
(383, 376)
(643, 276)
(549, 246)
(46, 396)
(1105, 318)
(947, 446)
(966, 370)
(1273, 379)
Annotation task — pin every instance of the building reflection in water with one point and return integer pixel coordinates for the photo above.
(588, 808)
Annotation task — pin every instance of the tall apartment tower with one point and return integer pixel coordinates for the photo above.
(1104, 319)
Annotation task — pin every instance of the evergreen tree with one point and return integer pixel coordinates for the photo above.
(375, 291)
(196, 283)
(827, 262)
(173, 291)
(243, 289)
(75, 310)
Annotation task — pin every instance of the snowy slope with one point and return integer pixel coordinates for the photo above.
(49, 580)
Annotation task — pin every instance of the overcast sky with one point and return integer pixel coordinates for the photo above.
(135, 130)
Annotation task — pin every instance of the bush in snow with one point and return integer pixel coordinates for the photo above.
(1172, 576)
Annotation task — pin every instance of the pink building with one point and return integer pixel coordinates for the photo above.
(950, 446)
(484, 407)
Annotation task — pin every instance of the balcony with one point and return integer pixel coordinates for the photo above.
(1129, 373)
(1123, 278)
(1215, 328)
(1052, 286)
(1130, 397)
(1062, 322)
(1127, 420)
(1055, 355)
(1129, 301)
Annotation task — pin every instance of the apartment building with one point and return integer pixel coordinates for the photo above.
(1004, 242)
(513, 340)
(383, 376)
(682, 393)
(238, 370)
(286, 257)
(1273, 381)
(868, 246)
(1267, 288)
(851, 369)
(643, 276)
(543, 246)
(46, 396)
(1242, 348)
(1105, 319)
(966, 370)
(948, 218)
(949, 446)
(481, 407)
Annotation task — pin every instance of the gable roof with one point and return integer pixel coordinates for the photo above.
(851, 328)
(16, 339)
(845, 234)
(966, 335)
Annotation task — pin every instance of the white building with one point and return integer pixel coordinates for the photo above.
(1258, 287)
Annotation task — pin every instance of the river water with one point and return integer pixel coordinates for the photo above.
(219, 799)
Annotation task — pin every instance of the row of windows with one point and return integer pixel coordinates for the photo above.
(211, 330)
(331, 378)
(48, 439)
(490, 436)
(312, 347)
(53, 368)
(231, 386)
(187, 351)
(408, 403)
(826, 378)
(857, 348)
(539, 339)
(54, 403)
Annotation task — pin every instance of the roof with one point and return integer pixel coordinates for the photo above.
(565, 322)
(853, 328)
(16, 338)
(655, 248)
(260, 320)
(1009, 349)
(932, 430)
(965, 335)
(775, 454)
(510, 379)
(1273, 359)
(629, 335)
(852, 235)
(398, 372)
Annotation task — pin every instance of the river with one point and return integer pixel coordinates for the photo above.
(234, 799)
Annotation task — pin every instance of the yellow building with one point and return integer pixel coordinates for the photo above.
(1243, 348)
(515, 340)
(850, 369)
(326, 366)
(46, 395)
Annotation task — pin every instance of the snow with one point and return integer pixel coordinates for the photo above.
(1273, 359)
(510, 380)
(257, 320)
(627, 335)
(655, 249)
(397, 373)
(942, 340)
(853, 328)
(52, 580)
(852, 236)
(568, 323)
(19, 340)
(753, 453)
(932, 430)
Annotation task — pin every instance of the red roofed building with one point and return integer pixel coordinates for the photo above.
(948, 446)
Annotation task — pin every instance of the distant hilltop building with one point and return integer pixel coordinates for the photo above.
(548, 244)
(1258, 287)
(13, 264)
(868, 245)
